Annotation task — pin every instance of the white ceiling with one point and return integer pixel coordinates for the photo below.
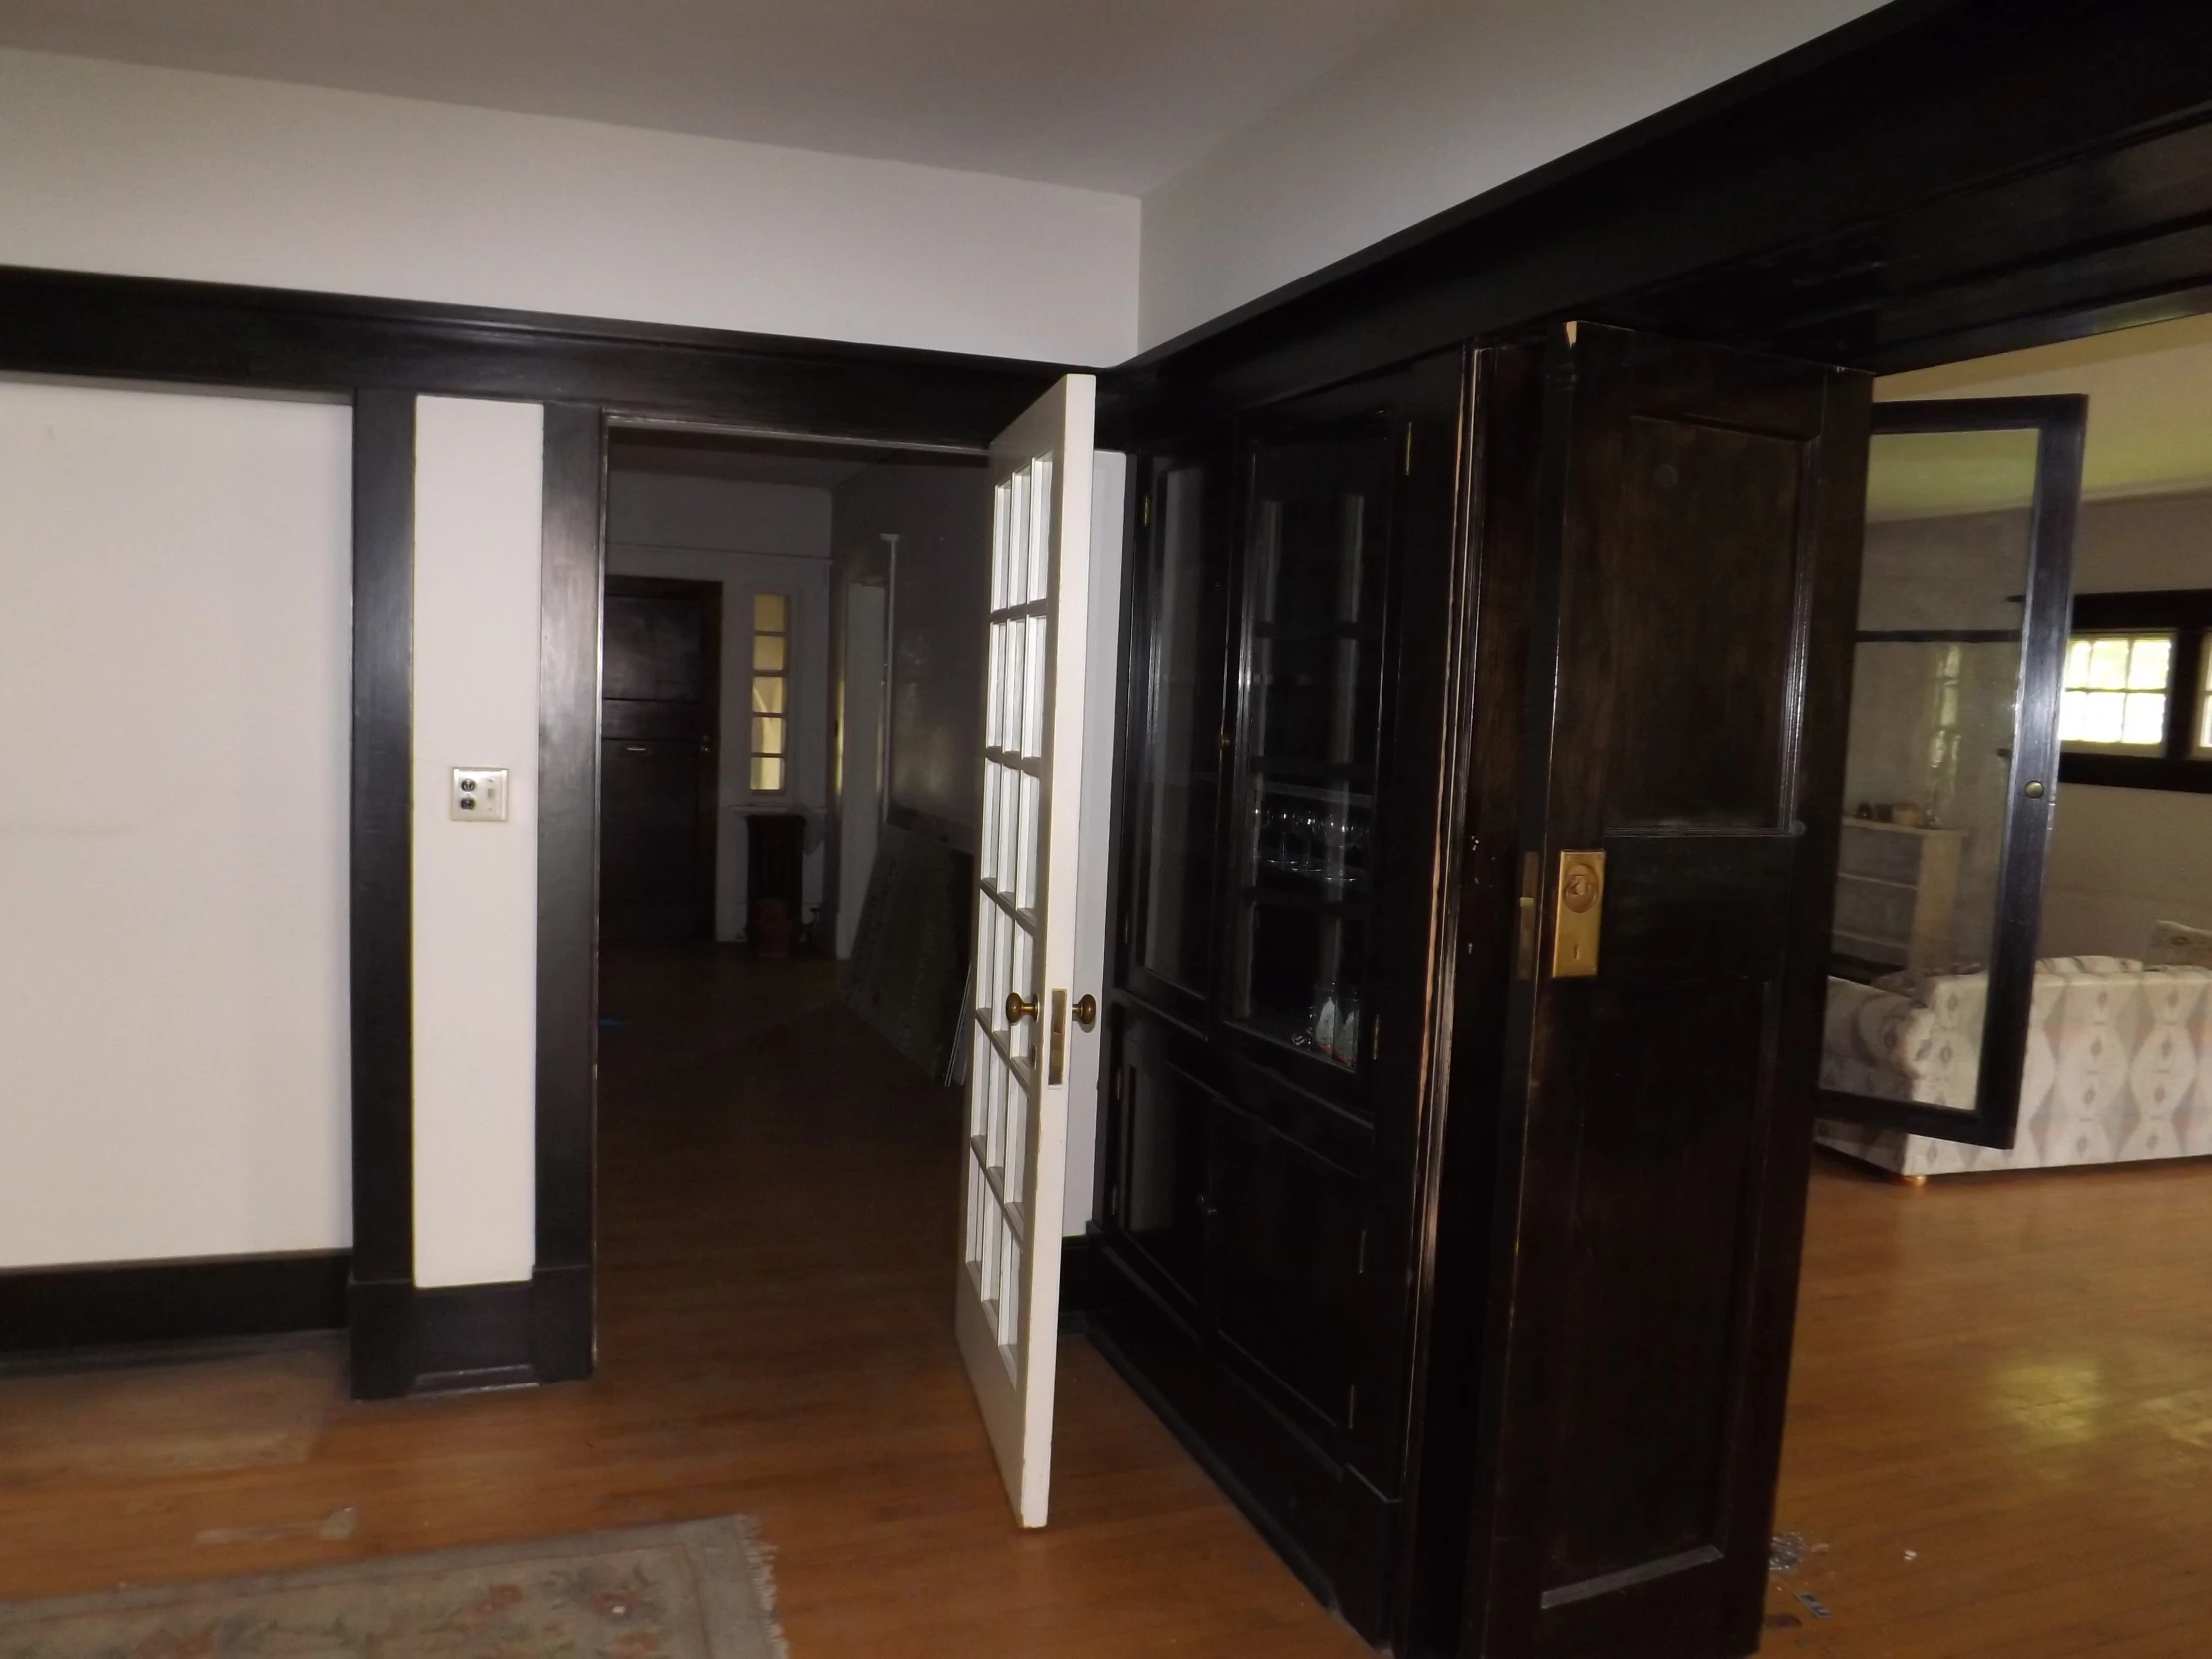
(1113, 97)
(2150, 419)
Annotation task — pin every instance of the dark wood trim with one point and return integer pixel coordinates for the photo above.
(1076, 1266)
(473, 1336)
(2137, 771)
(568, 890)
(146, 328)
(564, 1329)
(1455, 1261)
(1936, 180)
(2180, 608)
(382, 857)
(45, 1309)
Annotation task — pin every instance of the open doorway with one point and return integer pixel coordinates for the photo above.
(1996, 1418)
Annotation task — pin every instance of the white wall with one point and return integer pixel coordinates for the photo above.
(722, 515)
(167, 172)
(939, 600)
(2121, 860)
(750, 538)
(1453, 101)
(174, 660)
(479, 511)
(860, 749)
(2144, 542)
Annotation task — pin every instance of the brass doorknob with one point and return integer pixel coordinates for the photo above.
(1086, 1010)
(1019, 1008)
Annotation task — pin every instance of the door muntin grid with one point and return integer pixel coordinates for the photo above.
(1002, 1077)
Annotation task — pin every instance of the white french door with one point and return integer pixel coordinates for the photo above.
(1011, 1197)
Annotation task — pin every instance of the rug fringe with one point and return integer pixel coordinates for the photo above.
(759, 1560)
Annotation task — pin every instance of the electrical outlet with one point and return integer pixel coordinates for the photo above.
(480, 794)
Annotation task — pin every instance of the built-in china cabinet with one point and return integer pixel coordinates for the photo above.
(1484, 857)
(1291, 584)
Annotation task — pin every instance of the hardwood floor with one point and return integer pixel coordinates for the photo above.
(775, 1339)
(2000, 1418)
(2010, 1377)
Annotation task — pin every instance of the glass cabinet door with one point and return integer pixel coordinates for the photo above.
(1317, 540)
(1176, 672)
(1952, 763)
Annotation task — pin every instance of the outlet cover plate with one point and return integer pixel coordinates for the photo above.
(479, 794)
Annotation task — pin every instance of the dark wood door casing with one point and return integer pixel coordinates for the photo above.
(1696, 584)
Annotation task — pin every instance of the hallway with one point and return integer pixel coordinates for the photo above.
(779, 1212)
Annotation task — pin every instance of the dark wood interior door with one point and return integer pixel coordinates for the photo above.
(1696, 525)
(660, 695)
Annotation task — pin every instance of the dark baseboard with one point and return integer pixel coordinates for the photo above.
(563, 1347)
(473, 1337)
(127, 1302)
(1075, 1284)
(413, 1339)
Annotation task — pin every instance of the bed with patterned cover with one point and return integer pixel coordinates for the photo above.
(2119, 1064)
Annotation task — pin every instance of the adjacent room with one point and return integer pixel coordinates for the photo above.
(1997, 1340)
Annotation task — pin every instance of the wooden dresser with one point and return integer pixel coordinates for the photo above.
(1897, 890)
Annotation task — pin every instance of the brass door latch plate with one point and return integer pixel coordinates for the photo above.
(1578, 913)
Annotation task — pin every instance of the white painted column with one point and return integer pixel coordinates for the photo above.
(479, 511)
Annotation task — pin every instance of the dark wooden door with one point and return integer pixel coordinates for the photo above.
(660, 693)
(1697, 540)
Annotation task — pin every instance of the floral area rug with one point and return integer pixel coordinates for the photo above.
(698, 1590)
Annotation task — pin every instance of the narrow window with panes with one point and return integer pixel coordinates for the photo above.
(2201, 749)
(2136, 711)
(772, 615)
(2117, 686)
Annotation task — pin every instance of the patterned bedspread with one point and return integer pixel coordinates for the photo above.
(2119, 1064)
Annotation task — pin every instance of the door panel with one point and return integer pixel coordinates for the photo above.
(1287, 1229)
(1697, 548)
(655, 648)
(659, 702)
(1950, 775)
(1706, 642)
(1162, 1197)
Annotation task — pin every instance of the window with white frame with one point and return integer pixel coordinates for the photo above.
(772, 642)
